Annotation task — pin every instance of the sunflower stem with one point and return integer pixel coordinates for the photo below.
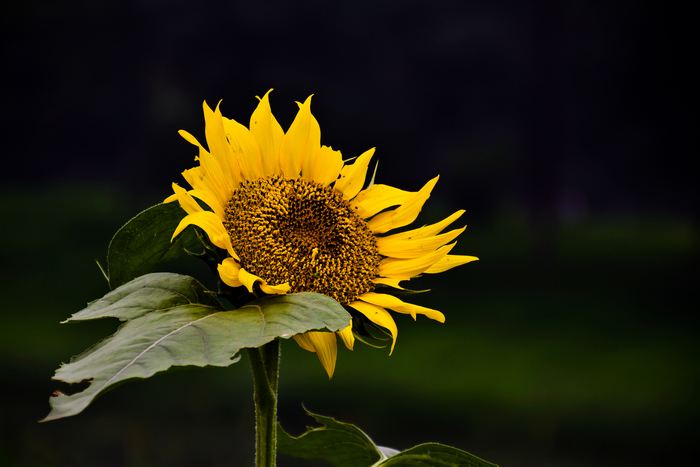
(264, 361)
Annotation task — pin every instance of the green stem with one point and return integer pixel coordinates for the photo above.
(264, 361)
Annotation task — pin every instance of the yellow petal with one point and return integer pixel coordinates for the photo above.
(378, 316)
(347, 337)
(396, 304)
(301, 142)
(275, 289)
(323, 344)
(414, 248)
(210, 192)
(191, 139)
(244, 148)
(377, 198)
(407, 268)
(214, 176)
(449, 262)
(219, 147)
(214, 131)
(352, 177)
(249, 279)
(186, 201)
(312, 165)
(328, 166)
(209, 176)
(428, 230)
(228, 271)
(203, 192)
(404, 214)
(390, 281)
(212, 226)
(268, 133)
(304, 342)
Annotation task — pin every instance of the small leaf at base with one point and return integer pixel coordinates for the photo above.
(345, 445)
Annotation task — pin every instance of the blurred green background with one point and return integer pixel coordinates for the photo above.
(558, 127)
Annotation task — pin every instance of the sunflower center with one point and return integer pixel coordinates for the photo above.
(303, 233)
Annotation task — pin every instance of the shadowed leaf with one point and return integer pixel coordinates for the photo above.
(435, 455)
(341, 444)
(144, 241)
(345, 445)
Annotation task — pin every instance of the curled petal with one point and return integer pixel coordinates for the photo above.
(396, 304)
(378, 316)
(228, 271)
(304, 342)
(347, 337)
(212, 226)
(323, 344)
(248, 280)
(275, 289)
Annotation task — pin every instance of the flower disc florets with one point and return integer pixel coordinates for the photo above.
(302, 233)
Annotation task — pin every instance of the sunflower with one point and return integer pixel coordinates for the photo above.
(293, 217)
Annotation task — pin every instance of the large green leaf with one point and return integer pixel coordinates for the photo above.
(345, 445)
(144, 241)
(172, 321)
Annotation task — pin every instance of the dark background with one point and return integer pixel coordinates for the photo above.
(559, 127)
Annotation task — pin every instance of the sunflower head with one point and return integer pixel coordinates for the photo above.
(293, 217)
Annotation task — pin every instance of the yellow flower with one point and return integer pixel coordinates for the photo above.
(293, 217)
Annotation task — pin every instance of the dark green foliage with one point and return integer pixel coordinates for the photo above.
(345, 445)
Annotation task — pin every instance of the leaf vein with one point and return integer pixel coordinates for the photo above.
(206, 343)
(262, 329)
(154, 344)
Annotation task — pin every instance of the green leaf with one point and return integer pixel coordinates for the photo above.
(345, 445)
(341, 444)
(435, 455)
(144, 241)
(158, 291)
(164, 330)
